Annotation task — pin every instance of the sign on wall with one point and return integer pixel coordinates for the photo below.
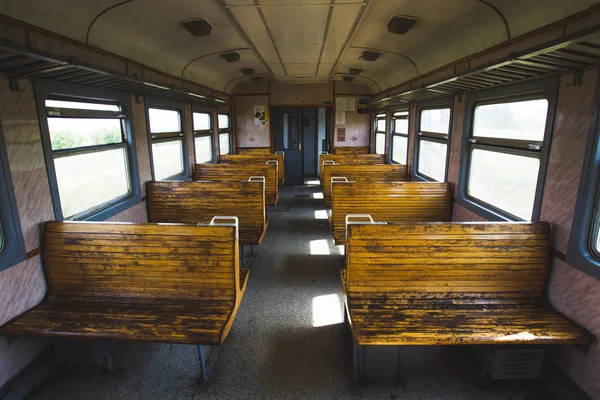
(341, 134)
(260, 115)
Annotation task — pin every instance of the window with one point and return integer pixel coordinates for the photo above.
(291, 131)
(583, 251)
(504, 150)
(380, 123)
(224, 134)
(167, 140)
(89, 151)
(432, 144)
(400, 136)
(12, 248)
(203, 147)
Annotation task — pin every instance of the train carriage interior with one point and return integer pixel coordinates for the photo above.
(300, 199)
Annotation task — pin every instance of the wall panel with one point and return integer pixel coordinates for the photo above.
(248, 134)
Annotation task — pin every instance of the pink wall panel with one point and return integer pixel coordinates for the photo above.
(577, 295)
(248, 134)
(571, 129)
(141, 141)
(21, 287)
(357, 129)
(137, 213)
(462, 214)
(456, 139)
(16, 355)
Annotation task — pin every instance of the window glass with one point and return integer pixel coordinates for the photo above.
(109, 168)
(291, 131)
(70, 133)
(381, 125)
(201, 121)
(162, 120)
(168, 159)
(223, 121)
(401, 126)
(436, 120)
(505, 181)
(432, 160)
(77, 105)
(224, 146)
(399, 149)
(203, 147)
(380, 143)
(520, 120)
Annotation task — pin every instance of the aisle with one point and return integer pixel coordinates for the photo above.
(286, 342)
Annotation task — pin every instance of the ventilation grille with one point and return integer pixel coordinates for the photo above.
(512, 363)
(81, 353)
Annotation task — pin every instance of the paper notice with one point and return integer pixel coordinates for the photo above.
(340, 104)
(340, 117)
(351, 104)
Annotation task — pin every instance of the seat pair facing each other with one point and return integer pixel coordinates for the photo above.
(165, 283)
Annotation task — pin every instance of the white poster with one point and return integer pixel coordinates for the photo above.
(260, 115)
(340, 117)
(351, 104)
(340, 104)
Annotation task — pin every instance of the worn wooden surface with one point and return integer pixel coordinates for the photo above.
(390, 202)
(253, 150)
(351, 150)
(362, 173)
(166, 283)
(357, 159)
(449, 283)
(248, 159)
(237, 172)
(199, 201)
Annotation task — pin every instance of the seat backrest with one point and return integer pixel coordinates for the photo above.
(362, 173)
(353, 159)
(448, 260)
(351, 150)
(198, 201)
(247, 159)
(253, 150)
(109, 259)
(237, 172)
(389, 201)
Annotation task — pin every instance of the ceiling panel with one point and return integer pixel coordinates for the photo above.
(342, 19)
(249, 19)
(301, 69)
(299, 54)
(269, 54)
(330, 53)
(324, 69)
(297, 24)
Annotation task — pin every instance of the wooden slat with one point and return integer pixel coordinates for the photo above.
(248, 159)
(253, 150)
(351, 150)
(197, 202)
(390, 202)
(237, 172)
(362, 173)
(354, 159)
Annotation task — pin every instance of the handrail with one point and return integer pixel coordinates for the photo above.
(362, 222)
(257, 179)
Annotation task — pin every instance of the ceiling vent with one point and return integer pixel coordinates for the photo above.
(247, 71)
(355, 71)
(370, 56)
(400, 24)
(348, 78)
(231, 57)
(197, 27)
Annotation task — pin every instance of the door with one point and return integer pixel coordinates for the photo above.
(287, 130)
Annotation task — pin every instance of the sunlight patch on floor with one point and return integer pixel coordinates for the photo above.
(341, 249)
(327, 310)
(321, 214)
(318, 196)
(315, 182)
(319, 247)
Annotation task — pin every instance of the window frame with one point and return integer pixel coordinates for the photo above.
(580, 250)
(13, 250)
(445, 102)
(204, 133)
(375, 120)
(44, 89)
(545, 88)
(393, 133)
(151, 102)
(225, 130)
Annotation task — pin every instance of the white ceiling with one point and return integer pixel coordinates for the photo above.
(292, 40)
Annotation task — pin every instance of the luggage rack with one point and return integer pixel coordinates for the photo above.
(17, 61)
(572, 53)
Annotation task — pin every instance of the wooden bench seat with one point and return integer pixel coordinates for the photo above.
(197, 202)
(452, 284)
(166, 283)
(238, 172)
(342, 150)
(361, 173)
(247, 159)
(253, 150)
(389, 201)
(353, 159)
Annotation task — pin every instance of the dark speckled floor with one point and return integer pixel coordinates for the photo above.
(274, 350)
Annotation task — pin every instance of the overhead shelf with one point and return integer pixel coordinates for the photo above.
(18, 61)
(570, 54)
